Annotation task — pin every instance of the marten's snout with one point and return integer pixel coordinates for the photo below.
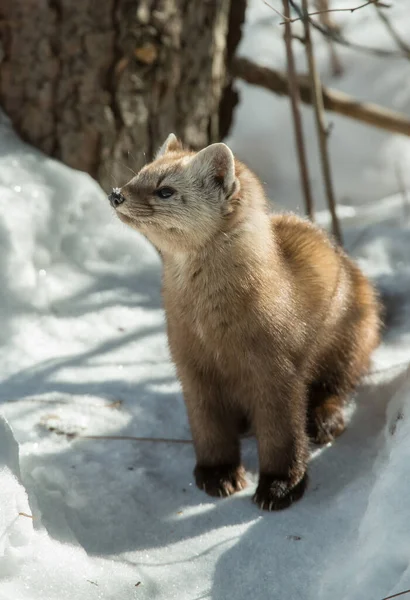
(116, 198)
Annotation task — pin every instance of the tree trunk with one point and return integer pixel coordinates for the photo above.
(100, 85)
(230, 96)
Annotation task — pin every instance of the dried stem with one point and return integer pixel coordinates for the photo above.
(75, 436)
(321, 128)
(326, 20)
(405, 48)
(397, 595)
(399, 365)
(334, 100)
(129, 438)
(403, 190)
(276, 11)
(132, 439)
(333, 10)
(337, 37)
(297, 121)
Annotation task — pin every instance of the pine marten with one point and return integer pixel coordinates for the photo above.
(269, 323)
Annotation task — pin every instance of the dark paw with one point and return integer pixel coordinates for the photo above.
(326, 424)
(222, 480)
(273, 493)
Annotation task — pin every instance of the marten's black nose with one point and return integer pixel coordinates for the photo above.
(116, 198)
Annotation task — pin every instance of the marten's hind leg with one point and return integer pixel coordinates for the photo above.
(339, 375)
(345, 362)
(325, 413)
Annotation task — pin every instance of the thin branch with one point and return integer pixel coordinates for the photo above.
(333, 10)
(276, 11)
(405, 48)
(131, 438)
(326, 20)
(383, 4)
(403, 190)
(337, 37)
(321, 128)
(399, 365)
(297, 121)
(73, 436)
(397, 595)
(333, 100)
(359, 239)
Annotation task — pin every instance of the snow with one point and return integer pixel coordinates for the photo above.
(83, 352)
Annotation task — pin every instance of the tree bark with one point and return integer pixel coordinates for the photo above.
(100, 85)
(230, 96)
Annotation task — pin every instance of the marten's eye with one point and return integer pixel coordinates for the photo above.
(164, 192)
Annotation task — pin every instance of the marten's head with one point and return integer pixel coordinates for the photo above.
(181, 199)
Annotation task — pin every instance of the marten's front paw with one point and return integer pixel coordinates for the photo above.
(221, 480)
(273, 493)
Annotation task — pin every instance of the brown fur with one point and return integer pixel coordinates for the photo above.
(268, 322)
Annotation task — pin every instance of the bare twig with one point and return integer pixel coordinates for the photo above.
(399, 365)
(326, 20)
(129, 438)
(333, 100)
(23, 514)
(72, 436)
(333, 10)
(132, 439)
(359, 239)
(337, 37)
(403, 190)
(321, 128)
(297, 121)
(397, 595)
(405, 48)
(276, 11)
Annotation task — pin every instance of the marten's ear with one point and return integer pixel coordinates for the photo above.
(215, 162)
(171, 144)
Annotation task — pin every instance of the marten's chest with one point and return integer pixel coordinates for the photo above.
(209, 299)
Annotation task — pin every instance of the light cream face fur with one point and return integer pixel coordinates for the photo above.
(198, 187)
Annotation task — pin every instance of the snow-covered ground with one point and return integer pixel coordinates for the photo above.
(83, 352)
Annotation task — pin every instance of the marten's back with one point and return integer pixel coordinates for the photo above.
(330, 287)
(317, 269)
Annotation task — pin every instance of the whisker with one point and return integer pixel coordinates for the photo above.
(124, 165)
(132, 156)
(127, 167)
(111, 176)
